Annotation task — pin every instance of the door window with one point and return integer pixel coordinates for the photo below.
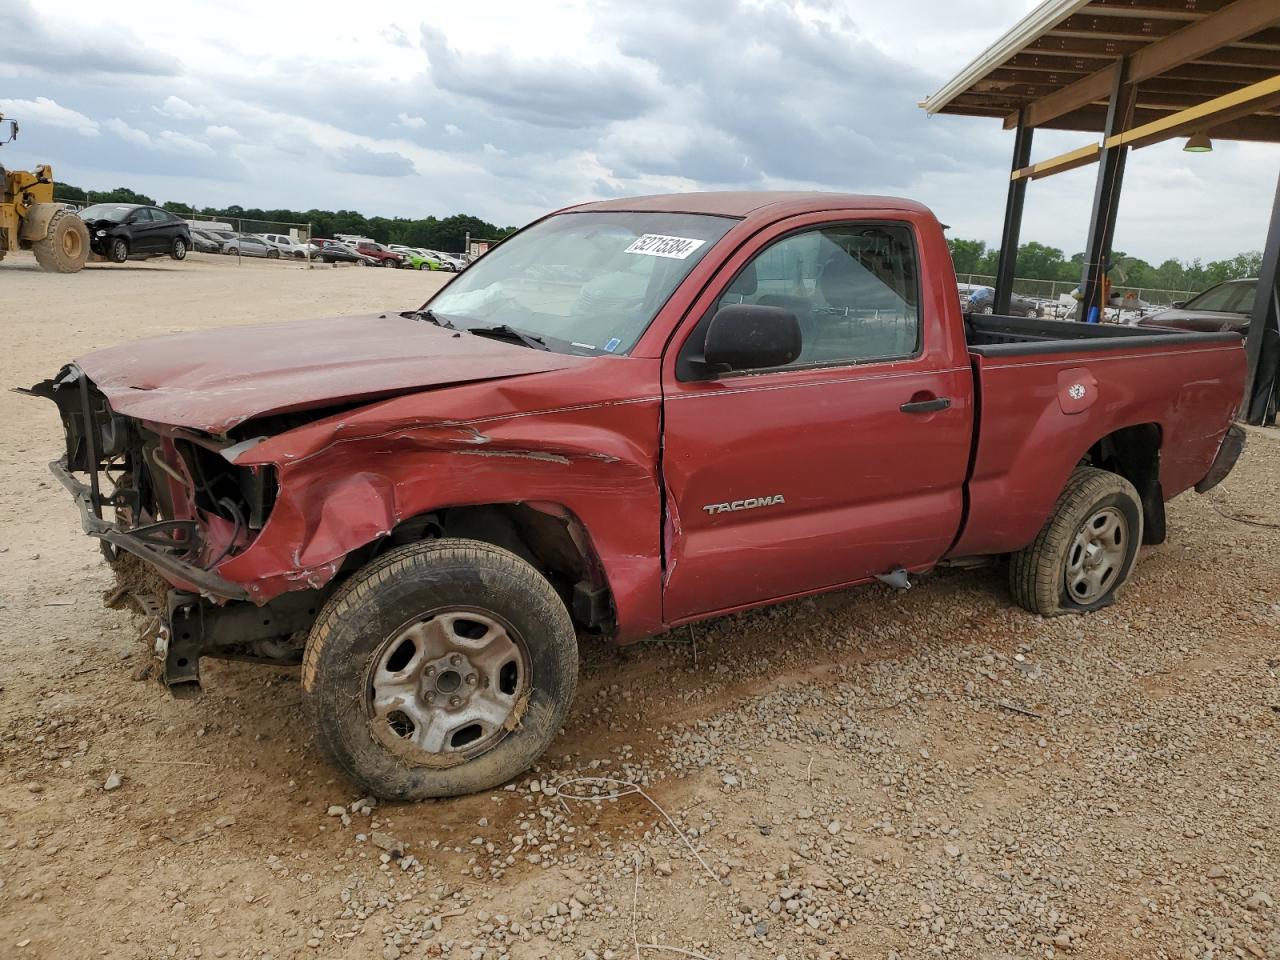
(853, 287)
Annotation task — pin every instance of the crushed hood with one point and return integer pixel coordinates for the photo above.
(212, 380)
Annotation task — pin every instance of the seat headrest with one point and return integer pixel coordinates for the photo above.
(843, 282)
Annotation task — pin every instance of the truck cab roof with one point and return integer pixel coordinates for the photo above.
(767, 204)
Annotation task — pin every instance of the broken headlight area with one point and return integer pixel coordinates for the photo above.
(163, 490)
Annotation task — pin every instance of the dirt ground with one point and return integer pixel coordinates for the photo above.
(867, 774)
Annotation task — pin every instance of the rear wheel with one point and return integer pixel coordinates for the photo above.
(179, 250)
(388, 263)
(65, 247)
(1086, 550)
(441, 668)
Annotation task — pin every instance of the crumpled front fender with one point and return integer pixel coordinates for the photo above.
(346, 482)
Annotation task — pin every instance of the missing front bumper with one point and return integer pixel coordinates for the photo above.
(110, 533)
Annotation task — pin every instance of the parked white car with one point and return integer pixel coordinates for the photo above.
(449, 261)
(287, 246)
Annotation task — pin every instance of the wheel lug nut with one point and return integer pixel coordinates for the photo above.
(455, 659)
(471, 679)
(454, 701)
(431, 671)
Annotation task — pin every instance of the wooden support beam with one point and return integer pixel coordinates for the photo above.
(1232, 106)
(1212, 116)
(1258, 128)
(1242, 19)
(1081, 157)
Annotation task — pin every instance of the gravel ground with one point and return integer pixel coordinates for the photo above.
(866, 774)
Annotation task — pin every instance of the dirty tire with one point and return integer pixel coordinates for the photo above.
(378, 601)
(118, 252)
(66, 246)
(1038, 572)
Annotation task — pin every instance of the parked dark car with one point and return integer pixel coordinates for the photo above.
(118, 231)
(982, 300)
(334, 252)
(1228, 306)
(203, 242)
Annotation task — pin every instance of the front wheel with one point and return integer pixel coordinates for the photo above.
(389, 263)
(1085, 551)
(179, 251)
(65, 247)
(118, 252)
(441, 668)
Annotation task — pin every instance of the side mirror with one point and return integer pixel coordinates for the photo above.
(1178, 304)
(8, 131)
(747, 336)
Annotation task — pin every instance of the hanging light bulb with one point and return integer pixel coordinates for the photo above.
(1198, 142)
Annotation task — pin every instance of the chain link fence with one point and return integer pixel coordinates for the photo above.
(1058, 302)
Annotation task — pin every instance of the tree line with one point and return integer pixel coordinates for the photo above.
(1039, 262)
(1036, 261)
(446, 233)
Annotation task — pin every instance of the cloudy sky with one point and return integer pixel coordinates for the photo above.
(507, 109)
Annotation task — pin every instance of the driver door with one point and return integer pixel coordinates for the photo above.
(846, 463)
(142, 230)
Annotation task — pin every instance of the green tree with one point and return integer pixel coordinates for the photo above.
(967, 255)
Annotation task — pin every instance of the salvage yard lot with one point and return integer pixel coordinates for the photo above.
(935, 772)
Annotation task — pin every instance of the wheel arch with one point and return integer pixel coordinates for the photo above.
(1133, 452)
(548, 536)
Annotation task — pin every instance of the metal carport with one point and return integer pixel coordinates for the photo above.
(1133, 73)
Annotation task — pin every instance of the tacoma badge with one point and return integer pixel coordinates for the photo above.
(751, 504)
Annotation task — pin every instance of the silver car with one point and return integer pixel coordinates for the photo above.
(247, 245)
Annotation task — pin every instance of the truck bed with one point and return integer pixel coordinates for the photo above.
(1000, 336)
(1048, 393)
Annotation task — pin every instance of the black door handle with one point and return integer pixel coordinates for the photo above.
(926, 406)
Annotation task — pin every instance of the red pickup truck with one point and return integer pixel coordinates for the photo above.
(630, 415)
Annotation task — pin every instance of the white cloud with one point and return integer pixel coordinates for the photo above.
(126, 132)
(42, 110)
(220, 132)
(452, 129)
(179, 109)
(166, 141)
(173, 142)
(413, 123)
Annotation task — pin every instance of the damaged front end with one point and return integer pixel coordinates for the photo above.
(169, 498)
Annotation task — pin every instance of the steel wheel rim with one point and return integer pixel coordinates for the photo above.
(448, 686)
(71, 244)
(1097, 555)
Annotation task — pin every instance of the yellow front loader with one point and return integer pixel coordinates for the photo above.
(30, 220)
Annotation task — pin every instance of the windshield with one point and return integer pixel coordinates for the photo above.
(115, 212)
(1225, 298)
(591, 281)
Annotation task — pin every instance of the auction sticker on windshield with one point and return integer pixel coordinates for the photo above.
(656, 245)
